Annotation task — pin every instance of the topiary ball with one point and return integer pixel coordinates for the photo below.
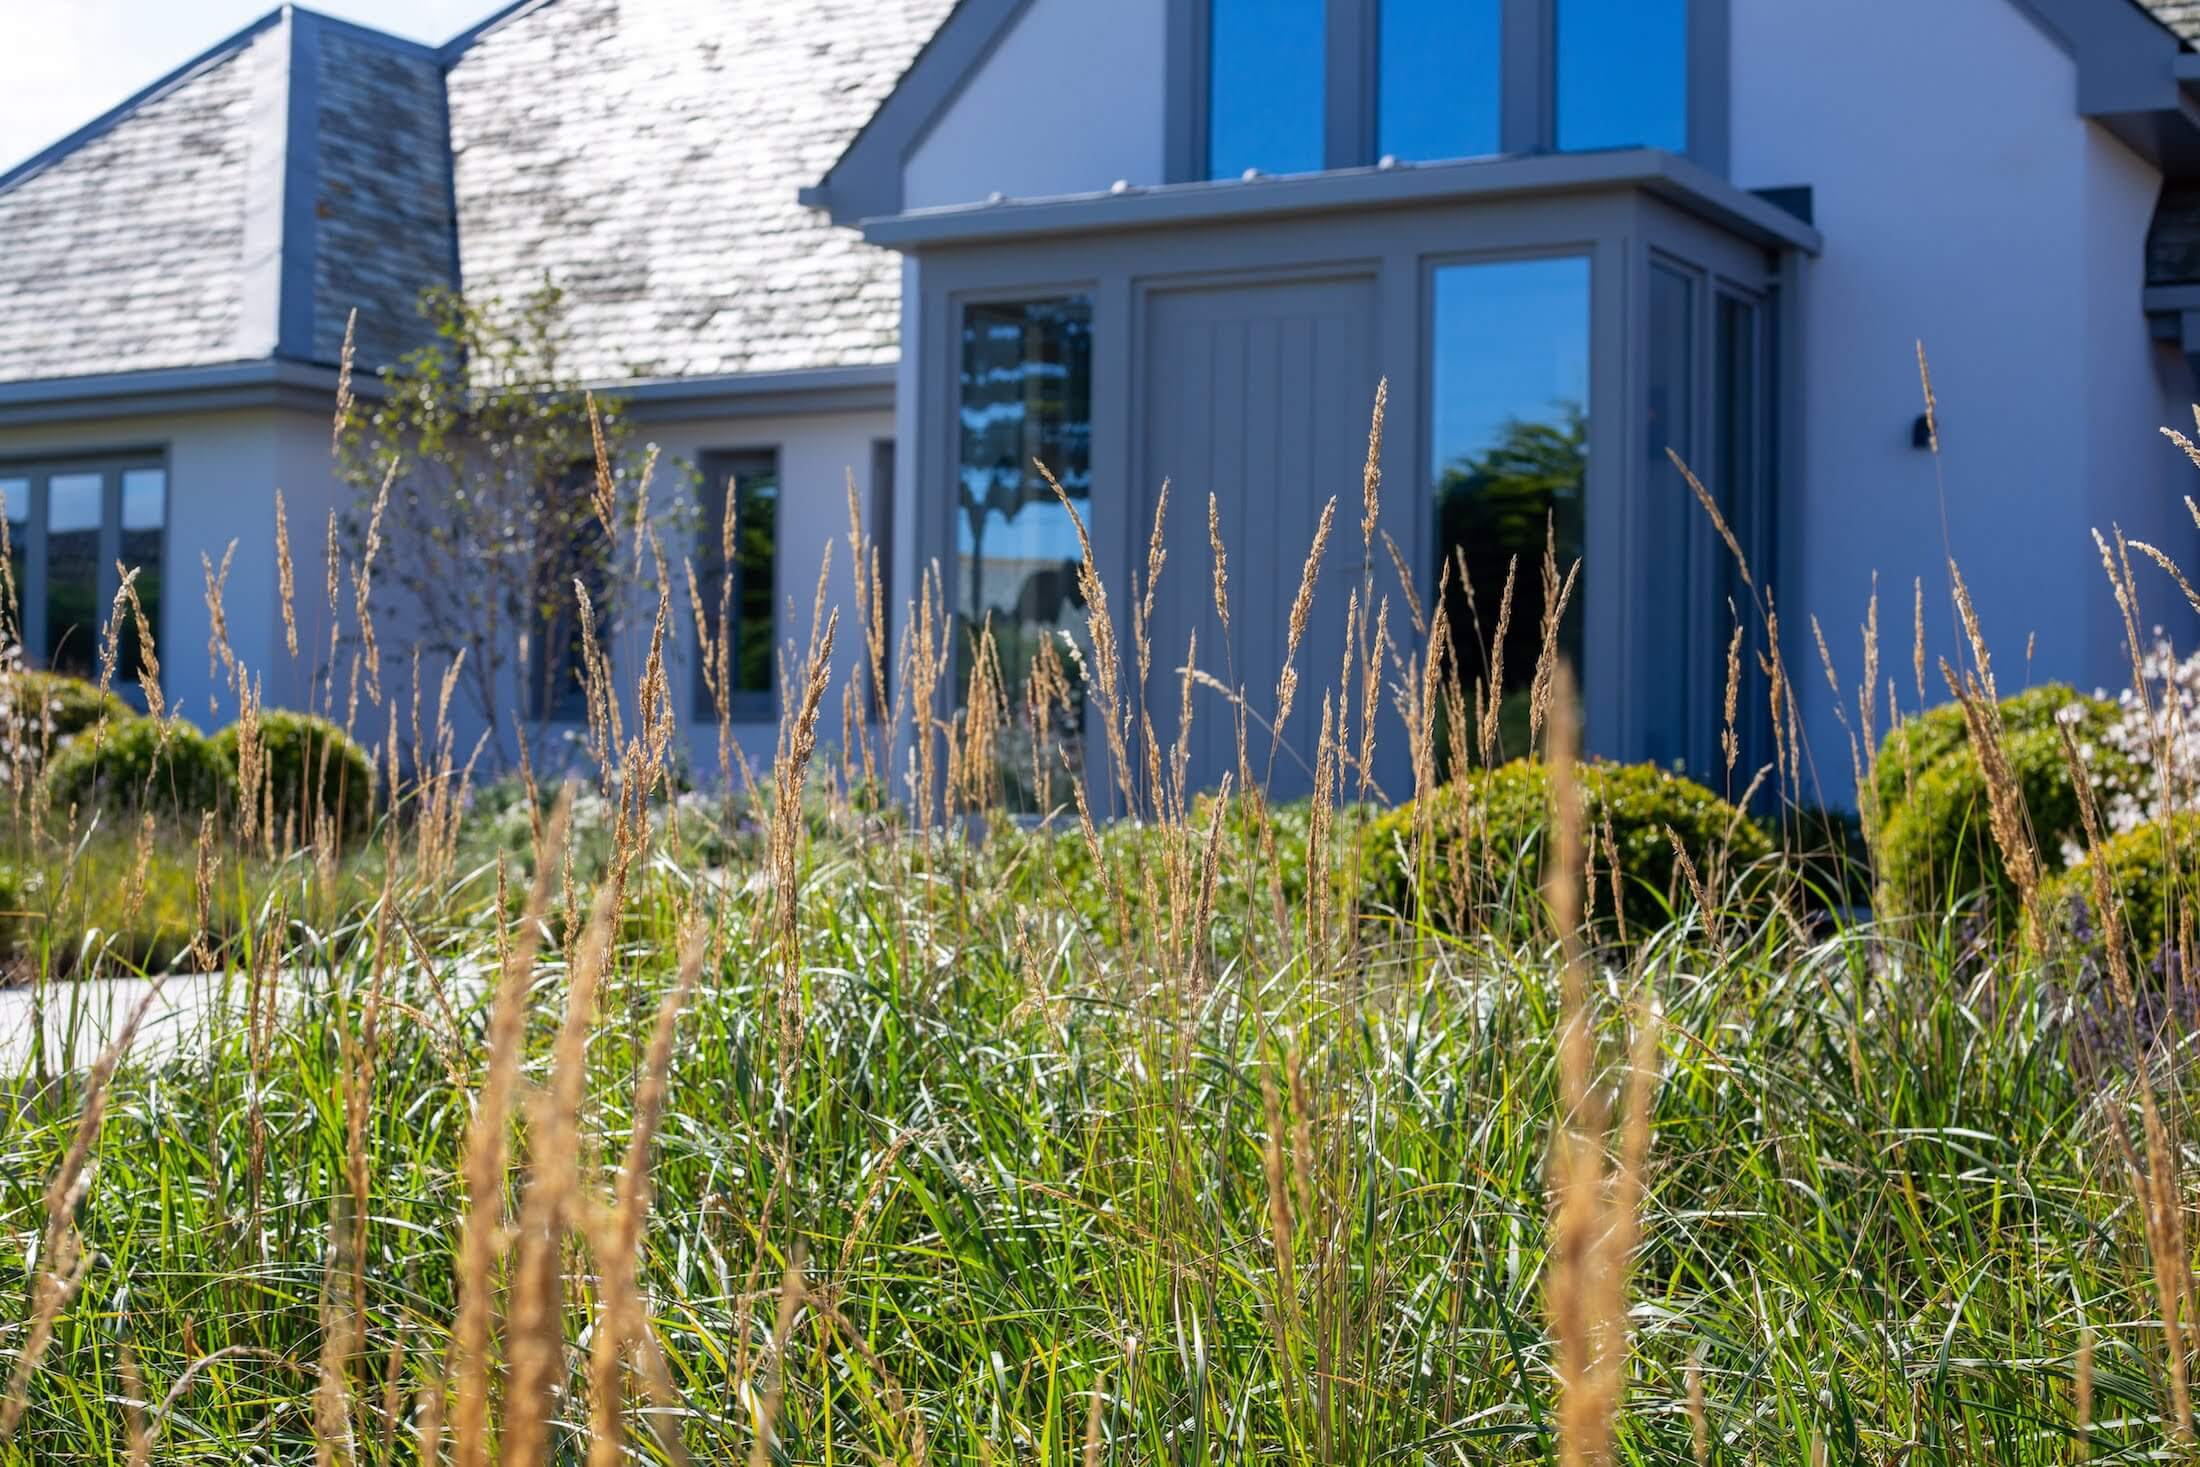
(164, 766)
(1937, 841)
(1489, 836)
(310, 768)
(53, 706)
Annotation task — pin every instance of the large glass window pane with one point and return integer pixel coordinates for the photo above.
(1666, 634)
(1623, 74)
(15, 491)
(73, 506)
(1438, 85)
(1265, 86)
(144, 528)
(1509, 421)
(1026, 398)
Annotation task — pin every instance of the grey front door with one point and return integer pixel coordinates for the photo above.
(1258, 395)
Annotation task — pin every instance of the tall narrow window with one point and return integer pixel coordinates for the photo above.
(73, 571)
(1266, 86)
(1670, 633)
(1509, 435)
(16, 491)
(1623, 74)
(1742, 487)
(743, 589)
(881, 528)
(1438, 82)
(557, 670)
(1026, 401)
(144, 528)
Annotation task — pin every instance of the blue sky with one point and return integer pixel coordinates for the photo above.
(65, 63)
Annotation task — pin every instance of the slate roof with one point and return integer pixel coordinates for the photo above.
(645, 154)
(80, 295)
(382, 222)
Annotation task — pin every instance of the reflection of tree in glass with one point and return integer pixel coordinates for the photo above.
(1496, 506)
(1026, 398)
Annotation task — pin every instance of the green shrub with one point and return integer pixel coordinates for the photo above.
(1489, 828)
(1059, 865)
(169, 768)
(310, 766)
(68, 705)
(1936, 838)
(2147, 867)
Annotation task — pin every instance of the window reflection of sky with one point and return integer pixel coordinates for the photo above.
(72, 503)
(1438, 79)
(1265, 87)
(144, 499)
(1508, 339)
(1623, 74)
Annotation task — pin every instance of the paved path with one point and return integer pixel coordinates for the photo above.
(81, 1017)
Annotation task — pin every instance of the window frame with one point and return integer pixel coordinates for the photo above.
(715, 465)
(111, 465)
(1528, 71)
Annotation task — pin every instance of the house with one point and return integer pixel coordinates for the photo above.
(1181, 241)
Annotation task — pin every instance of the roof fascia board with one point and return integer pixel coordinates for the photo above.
(1685, 184)
(220, 51)
(758, 394)
(267, 187)
(301, 185)
(2127, 59)
(264, 383)
(277, 382)
(865, 182)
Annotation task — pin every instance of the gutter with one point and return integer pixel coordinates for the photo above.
(1126, 207)
(267, 382)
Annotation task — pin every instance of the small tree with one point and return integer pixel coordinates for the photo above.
(495, 509)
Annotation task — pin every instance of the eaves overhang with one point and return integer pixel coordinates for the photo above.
(267, 382)
(1673, 179)
(794, 393)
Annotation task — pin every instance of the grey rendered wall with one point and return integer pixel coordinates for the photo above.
(1966, 205)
